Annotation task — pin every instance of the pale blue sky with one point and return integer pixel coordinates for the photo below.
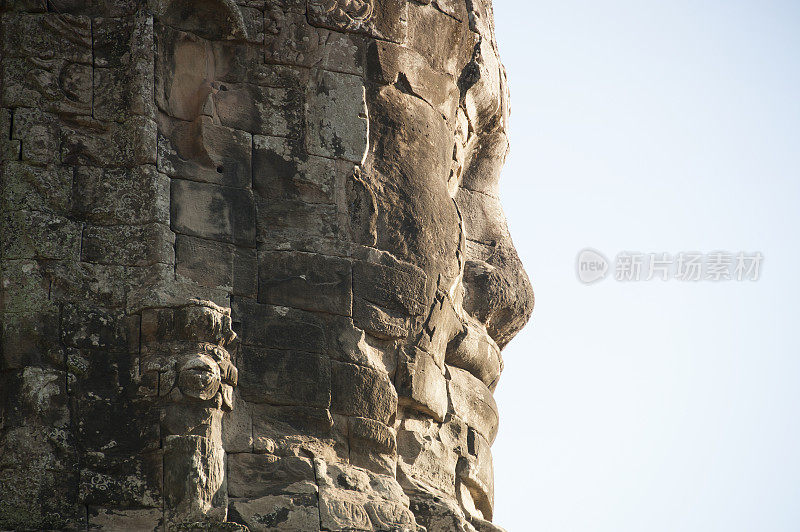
(652, 406)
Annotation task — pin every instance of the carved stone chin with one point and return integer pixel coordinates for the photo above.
(255, 271)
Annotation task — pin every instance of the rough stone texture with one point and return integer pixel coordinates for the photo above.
(320, 176)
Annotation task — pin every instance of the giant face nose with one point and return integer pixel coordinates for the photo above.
(497, 291)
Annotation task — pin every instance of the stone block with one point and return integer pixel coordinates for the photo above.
(389, 287)
(390, 515)
(35, 397)
(279, 327)
(498, 292)
(237, 62)
(438, 513)
(275, 513)
(73, 281)
(478, 465)
(119, 196)
(193, 73)
(53, 85)
(157, 285)
(305, 281)
(284, 377)
(203, 321)
(31, 339)
(289, 39)
(28, 188)
(484, 101)
(9, 148)
(358, 205)
(353, 345)
(26, 288)
(237, 427)
(26, 6)
(386, 296)
(284, 221)
(125, 518)
(362, 392)
(485, 164)
(473, 350)
(48, 36)
(190, 418)
(379, 322)
(210, 211)
(368, 432)
(421, 384)
(428, 453)
(389, 63)
(89, 327)
(158, 325)
(352, 498)
(258, 475)
(443, 41)
(472, 402)
(202, 150)
(195, 487)
(443, 327)
(336, 116)
(372, 446)
(129, 245)
(121, 481)
(123, 41)
(217, 264)
(289, 429)
(210, 21)
(482, 213)
(283, 171)
(38, 479)
(101, 8)
(106, 420)
(342, 511)
(124, 63)
(253, 23)
(455, 8)
(386, 20)
(117, 93)
(259, 109)
(38, 135)
(39, 235)
(109, 144)
(92, 367)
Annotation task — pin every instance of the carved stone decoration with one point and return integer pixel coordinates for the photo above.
(385, 19)
(346, 14)
(196, 379)
(319, 176)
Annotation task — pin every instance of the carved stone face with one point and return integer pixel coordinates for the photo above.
(319, 176)
(350, 152)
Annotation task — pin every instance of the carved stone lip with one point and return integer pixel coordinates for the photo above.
(473, 402)
(474, 495)
(475, 351)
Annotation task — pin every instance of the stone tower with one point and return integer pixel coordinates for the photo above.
(255, 273)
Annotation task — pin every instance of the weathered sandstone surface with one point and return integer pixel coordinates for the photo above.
(255, 272)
